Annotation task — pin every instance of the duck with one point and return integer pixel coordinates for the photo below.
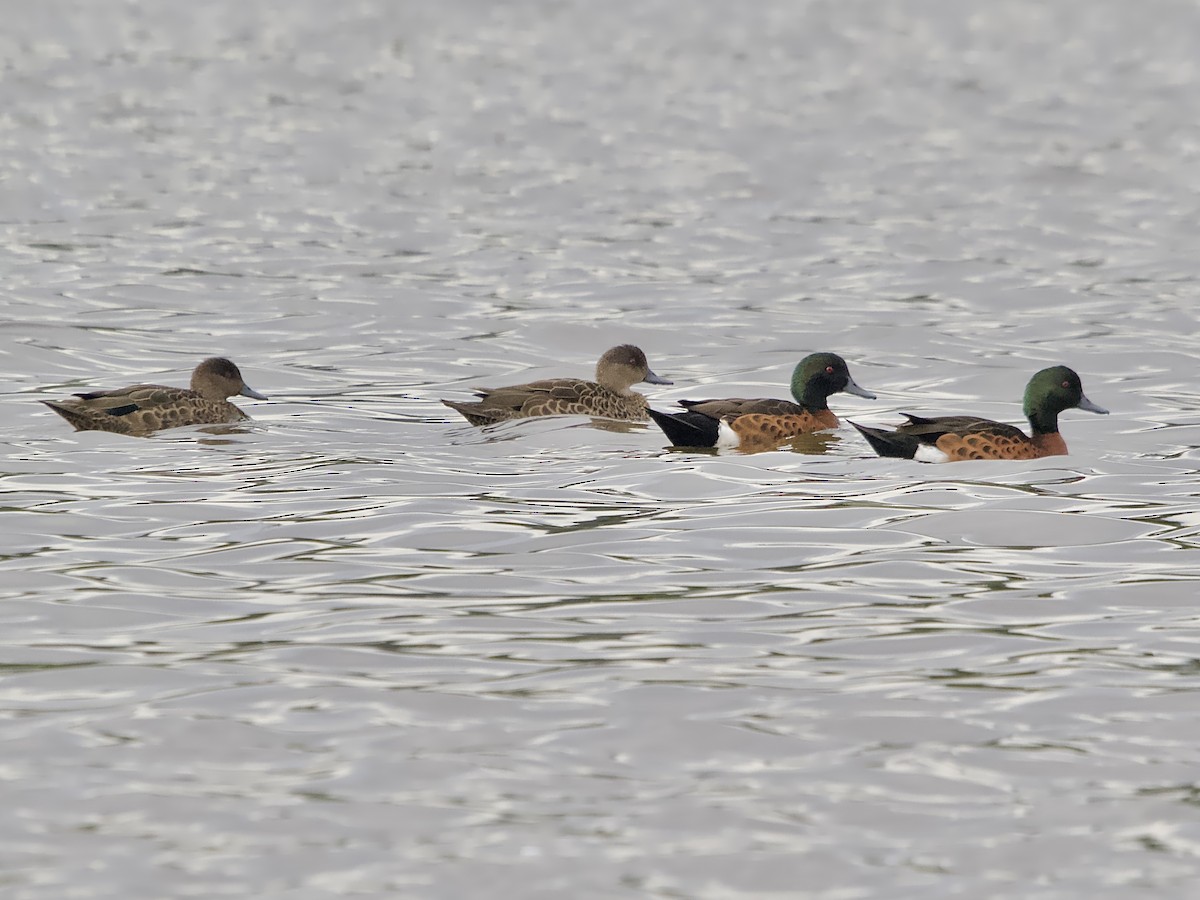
(144, 408)
(608, 397)
(954, 438)
(765, 423)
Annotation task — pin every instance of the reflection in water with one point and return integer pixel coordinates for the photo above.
(810, 444)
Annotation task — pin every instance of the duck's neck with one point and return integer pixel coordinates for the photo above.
(813, 398)
(826, 418)
(1043, 422)
(1050, 443)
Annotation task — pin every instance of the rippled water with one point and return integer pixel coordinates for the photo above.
(360, 648)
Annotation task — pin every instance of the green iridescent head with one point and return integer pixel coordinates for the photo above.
(819, 375)
(1051, 391)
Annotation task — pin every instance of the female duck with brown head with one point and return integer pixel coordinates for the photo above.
(142, 408)
(608, 397)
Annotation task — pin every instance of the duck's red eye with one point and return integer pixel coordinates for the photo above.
(829, 370)
(1066, 384)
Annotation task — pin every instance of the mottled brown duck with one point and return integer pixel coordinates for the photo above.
(608, 397)
(143, 408)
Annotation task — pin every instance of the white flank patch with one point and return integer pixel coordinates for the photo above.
(929, 453)
(727, 438)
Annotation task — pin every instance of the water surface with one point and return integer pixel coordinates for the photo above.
(360, 648)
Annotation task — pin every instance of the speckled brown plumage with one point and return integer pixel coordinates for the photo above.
(763, 430)
(143, 408)
(608, 397)
(994, 444)
(554, 397)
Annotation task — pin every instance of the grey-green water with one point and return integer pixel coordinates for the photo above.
(360, 648)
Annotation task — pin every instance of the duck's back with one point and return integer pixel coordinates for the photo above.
(737, 406)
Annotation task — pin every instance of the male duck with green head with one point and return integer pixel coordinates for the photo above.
(764, 424)
(955, 438)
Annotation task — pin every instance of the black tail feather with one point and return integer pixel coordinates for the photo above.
(889, 443)
(687, 429)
